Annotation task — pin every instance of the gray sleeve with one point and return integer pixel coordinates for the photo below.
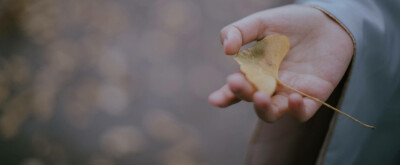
(373, 91)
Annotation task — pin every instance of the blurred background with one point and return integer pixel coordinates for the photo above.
(110, 82)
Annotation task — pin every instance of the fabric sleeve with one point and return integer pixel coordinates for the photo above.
(373, 91)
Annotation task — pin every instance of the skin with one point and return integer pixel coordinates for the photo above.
(321, 51)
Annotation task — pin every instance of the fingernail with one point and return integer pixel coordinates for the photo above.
(216, 96)
(229, 35)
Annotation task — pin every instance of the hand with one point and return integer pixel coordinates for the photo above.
(320, 53)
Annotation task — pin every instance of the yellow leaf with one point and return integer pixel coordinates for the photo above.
(260, 64)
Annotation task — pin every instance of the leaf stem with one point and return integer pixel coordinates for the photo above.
(327, 105)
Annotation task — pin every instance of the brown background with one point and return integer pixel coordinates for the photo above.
(104, 82)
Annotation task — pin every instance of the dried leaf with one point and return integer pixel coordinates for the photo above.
(260, 64)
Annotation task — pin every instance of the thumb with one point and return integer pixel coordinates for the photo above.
(242, 32)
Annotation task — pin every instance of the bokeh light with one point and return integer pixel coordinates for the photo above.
(110, 82)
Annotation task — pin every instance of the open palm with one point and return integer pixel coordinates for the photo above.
(320, 53)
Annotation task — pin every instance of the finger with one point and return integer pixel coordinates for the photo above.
(231, 39)
(296, 107)
(223, 97)
(242, 32)
(240, 86)
(302, 108)
(310, 108)
(269, 109)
